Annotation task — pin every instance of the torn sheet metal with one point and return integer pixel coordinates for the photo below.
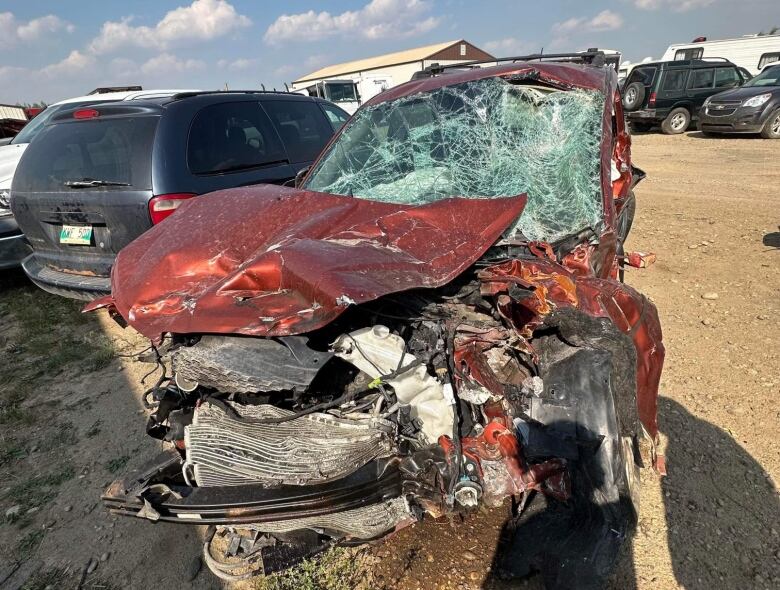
(526, 291)
(292, 260)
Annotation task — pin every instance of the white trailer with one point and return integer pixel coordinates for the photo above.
(751, 52)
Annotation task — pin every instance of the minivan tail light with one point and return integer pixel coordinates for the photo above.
(651, 100)
(85, 114)
(163, 206)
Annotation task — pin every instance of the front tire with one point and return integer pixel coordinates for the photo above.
(771, 128)
(676, 122)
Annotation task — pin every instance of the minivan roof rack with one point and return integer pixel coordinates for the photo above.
(107, 89)
(181, 95)
(592, 58)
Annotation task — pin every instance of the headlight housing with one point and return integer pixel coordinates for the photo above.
(707, 100)
(757, 101)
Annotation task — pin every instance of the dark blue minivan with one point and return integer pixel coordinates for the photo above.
(99, 176)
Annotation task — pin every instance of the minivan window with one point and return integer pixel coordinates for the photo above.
(674, 80)
(726, 78)
(702, 78)
(111, 150)
(230, 137)
(32, 128)
(301, 126)
(337, 117)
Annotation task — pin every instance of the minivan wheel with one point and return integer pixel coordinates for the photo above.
(676, 122)
(771, 128)
(634, 96)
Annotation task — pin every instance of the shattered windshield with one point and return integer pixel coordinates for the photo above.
(484, 138)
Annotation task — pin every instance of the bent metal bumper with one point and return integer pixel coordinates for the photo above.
(141, 495)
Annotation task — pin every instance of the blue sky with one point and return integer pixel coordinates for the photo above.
(50, 50)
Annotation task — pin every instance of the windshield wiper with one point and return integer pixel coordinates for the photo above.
(88, 183)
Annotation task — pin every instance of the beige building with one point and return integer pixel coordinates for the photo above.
(353, 82)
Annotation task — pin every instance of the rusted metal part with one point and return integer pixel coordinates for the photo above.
(497, 443)
(276, 261)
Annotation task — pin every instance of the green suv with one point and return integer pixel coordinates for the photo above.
(670, 93)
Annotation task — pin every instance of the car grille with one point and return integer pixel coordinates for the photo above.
(722, 108)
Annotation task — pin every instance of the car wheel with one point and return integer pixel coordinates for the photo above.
(676, 122)
(634, 96)
(771, 128)
(641, 127)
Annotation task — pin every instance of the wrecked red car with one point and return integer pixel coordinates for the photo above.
(434, 320)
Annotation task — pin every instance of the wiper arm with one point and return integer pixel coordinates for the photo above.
(88, 183)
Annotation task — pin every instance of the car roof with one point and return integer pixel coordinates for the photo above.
(689, 63)
(154, 103)
(125, 95)
(558, 73)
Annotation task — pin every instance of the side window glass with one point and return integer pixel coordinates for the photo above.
(768, 58)
(674, 80)
(702, 78)
(335, 116)
(691, 53)
(301, 125)
(230, 137)
(726, 78)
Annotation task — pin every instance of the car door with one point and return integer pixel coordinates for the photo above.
(701, 84)
(234, 144)
(671, 88)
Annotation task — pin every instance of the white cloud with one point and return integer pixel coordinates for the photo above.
(13, 31)
(606, 20)
(379, 19)
(167, 64)
(74, 63)
(203, 20)
(237, 65)
(674, 5)
(508, 47)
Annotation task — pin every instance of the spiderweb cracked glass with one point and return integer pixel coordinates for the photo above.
(485, 138)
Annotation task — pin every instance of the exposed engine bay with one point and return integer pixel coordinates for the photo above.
(423, 404)
(340, 361)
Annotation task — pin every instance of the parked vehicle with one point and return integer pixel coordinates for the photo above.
(99, 176)
(671, 93)
(431, 321)
(751, 52)
(753, 108)
(344, 93)
(14, 247)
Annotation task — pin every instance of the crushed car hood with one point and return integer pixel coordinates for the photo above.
(274, 261)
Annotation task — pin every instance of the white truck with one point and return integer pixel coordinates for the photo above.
(348, 93)
(751, 52)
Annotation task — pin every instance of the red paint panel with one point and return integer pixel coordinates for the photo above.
(272, 261)
(553, 286)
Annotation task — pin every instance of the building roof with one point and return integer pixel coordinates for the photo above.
(379, 61)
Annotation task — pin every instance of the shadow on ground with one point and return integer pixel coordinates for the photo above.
(772, 239)
(722, 509)
(723, 522)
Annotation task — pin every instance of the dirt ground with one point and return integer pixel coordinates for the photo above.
(71, 417)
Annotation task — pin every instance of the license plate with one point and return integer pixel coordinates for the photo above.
(76, 234)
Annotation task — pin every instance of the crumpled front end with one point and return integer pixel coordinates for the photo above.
(517, 380)
(339, 366)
